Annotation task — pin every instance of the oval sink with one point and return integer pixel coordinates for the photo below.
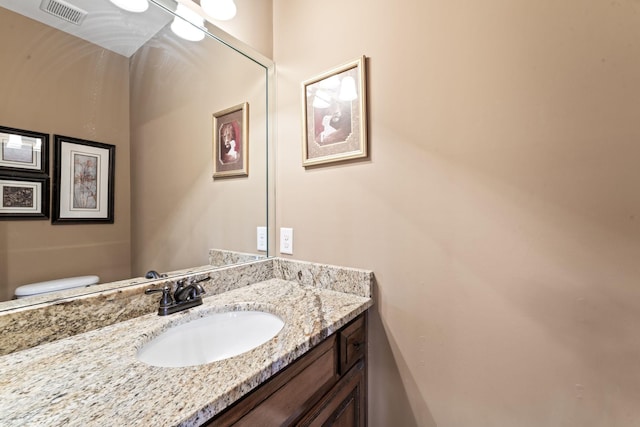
(211, 338)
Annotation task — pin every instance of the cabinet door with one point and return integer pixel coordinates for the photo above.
(343, 405)
(288, 395)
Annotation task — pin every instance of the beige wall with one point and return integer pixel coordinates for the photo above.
(499, 208)
(57, 84)
(253, 24)
(179, 212)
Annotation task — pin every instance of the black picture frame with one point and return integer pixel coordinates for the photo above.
(23, 152)
(24, 197)
(83, 183)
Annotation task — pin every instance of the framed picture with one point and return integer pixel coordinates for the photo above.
(335, 116)
(24, 197)
(231, 141)
(83, 181)
(23, 151)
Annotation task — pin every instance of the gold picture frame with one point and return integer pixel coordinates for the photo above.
(335, 116)
(231, 141)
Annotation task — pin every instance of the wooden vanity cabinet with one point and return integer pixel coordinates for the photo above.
(344, 405)
(324, 387)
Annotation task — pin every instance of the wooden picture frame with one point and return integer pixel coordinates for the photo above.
(24, 197)
(231, 142)
(83, 185)
(23, 151)
(334, 115)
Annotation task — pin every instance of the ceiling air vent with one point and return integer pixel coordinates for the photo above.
(64, 10)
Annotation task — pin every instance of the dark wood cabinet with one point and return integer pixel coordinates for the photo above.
(353, 338)
(344, 405)
(324, 387)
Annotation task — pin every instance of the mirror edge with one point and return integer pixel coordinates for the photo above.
(270, 77)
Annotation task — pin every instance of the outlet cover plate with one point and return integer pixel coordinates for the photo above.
(262, 238)
(286, 241)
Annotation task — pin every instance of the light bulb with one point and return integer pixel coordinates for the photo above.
(132, 5)
(348, 89)
(222, 10)
(15, 141)
(188, 24)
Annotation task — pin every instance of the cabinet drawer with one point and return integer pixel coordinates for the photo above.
(353, 340)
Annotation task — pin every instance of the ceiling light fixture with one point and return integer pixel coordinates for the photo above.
(221, 10)
(136, 6)
(188, 25)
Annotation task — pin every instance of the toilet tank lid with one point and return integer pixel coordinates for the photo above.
(56, 285)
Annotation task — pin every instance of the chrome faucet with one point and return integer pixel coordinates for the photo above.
(187, 294)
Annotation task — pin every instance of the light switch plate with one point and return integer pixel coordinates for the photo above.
(262, 238)
(286, 241)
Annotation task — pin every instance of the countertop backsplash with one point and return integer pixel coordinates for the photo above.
(26, 327)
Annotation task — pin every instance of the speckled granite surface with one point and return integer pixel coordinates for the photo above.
(94, 378)
(350, 280)
(26, 326)
(221, 257)
(217, 258)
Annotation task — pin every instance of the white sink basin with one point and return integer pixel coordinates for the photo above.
(214, 337)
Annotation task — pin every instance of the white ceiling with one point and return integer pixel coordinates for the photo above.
(105, 25)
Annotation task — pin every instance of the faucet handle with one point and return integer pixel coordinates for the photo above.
(166, 299)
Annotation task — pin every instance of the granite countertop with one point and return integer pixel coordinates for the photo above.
(94, 378)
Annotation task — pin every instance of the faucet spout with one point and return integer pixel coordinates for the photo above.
(192, 290)
(152, 274)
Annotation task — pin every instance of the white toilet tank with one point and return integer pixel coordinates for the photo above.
(55, 285)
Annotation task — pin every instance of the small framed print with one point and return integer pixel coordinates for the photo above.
(334, 114)
(83, 183)
(24, 197)
(231, 142)
(23, 151)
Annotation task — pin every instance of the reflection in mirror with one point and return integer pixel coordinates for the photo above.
(154, 100)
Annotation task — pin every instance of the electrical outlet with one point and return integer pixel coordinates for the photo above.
(286, 241)
(262, 239)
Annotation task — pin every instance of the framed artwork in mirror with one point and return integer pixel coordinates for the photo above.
(231, 141)
(24, 197)
(334, 115)
(23, 151)
(83, 181)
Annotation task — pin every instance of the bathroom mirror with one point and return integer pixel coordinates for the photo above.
(153, 96)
